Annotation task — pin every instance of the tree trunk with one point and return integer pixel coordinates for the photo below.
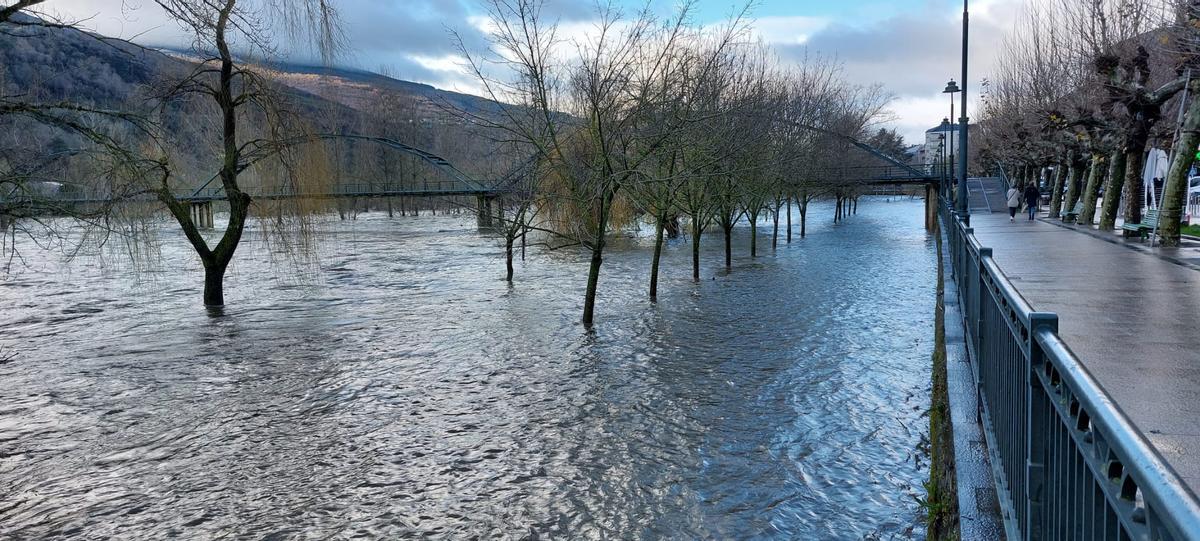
(696, 231)
(803, 217)
(1096, 177)
(658, 242)
(854, 205)
(1175, 190)
(789, 220)
(1072, 186)
(775, 231)
(753, 234)
(1060, 181)
(1135, 160)
(214, 284)
(1112, 191)
(589, 299)
(508, 256)
(728, 229)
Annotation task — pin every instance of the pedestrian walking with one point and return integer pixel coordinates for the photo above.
(1014, 202)
(1033, 200)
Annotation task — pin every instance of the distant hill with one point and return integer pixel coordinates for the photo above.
(358, 88)
(52, 65)
(66, 63)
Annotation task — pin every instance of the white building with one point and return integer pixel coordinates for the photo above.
(941, 143)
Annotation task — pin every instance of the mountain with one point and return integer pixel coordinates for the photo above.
(50, 65)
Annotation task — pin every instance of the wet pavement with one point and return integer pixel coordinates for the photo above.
(1130, 314)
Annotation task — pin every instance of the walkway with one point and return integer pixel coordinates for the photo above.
(1130, 314)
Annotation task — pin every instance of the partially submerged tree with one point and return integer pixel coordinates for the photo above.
(253, 125)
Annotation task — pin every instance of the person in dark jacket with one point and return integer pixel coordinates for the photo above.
(1033, 199)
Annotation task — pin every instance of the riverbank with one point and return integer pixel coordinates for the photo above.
(941, 500)
(965, 469)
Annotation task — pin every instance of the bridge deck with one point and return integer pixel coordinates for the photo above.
(1130, 314)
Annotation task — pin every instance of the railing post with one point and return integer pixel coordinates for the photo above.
(1037, 436)
(977, 298)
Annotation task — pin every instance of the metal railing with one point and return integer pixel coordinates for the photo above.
(1066, 462)
(345, 189)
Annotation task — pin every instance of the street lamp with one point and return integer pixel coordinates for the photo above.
(943, 167)
(962, 136)
(951, 89)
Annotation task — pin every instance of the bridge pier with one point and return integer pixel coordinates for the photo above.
(484, 211)
(931, 207)
(202, 214)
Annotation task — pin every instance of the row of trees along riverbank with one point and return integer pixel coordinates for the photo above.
(1088, 88)
(643, 118)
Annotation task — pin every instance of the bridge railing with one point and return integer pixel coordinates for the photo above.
(344, 189)
(1066, 461)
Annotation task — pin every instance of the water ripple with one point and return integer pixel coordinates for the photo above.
(402, 389)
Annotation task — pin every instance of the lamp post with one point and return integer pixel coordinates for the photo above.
(952, 89)
(943, 167)
(962, 137)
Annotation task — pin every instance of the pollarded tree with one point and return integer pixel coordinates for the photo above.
(1184, 42)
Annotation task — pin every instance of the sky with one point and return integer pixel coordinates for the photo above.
(911, 47)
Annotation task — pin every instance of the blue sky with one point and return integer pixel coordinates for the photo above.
(911, 47)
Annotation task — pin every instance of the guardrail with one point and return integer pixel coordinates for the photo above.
(1066, 462)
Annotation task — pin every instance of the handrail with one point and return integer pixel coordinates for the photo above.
(1057, 388)
(1159, 483)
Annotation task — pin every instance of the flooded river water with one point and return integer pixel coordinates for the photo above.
(403, 389)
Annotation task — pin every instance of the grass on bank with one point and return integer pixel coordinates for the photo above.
(941, 500)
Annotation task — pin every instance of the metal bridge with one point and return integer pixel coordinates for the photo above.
(455, 183)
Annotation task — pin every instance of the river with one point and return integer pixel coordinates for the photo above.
(399, 387)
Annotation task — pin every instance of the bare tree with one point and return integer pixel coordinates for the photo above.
(239, 93)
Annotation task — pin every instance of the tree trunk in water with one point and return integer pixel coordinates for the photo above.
(508, 257)
(1060, 181)
(803, 216)
(1176, 187)
(589, 299)
(753, 235)
(1095, 180)
(1112, 191)
(523, 231)
(728, 247)
(214, 284)
(789, 220)
(695, 250)
(658, 242)
(389, 203)
(1135, 159)
(775, 231)
(854, 203)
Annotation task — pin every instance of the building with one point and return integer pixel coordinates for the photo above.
(943, 134)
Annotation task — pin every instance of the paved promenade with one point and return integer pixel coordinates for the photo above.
(1131, 315)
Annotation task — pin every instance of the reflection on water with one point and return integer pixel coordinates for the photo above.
(407, 390)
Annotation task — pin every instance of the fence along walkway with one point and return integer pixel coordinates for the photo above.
(1092, 407)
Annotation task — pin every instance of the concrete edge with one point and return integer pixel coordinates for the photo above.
(980, 517)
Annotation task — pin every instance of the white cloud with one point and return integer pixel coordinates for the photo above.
(789, 30)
